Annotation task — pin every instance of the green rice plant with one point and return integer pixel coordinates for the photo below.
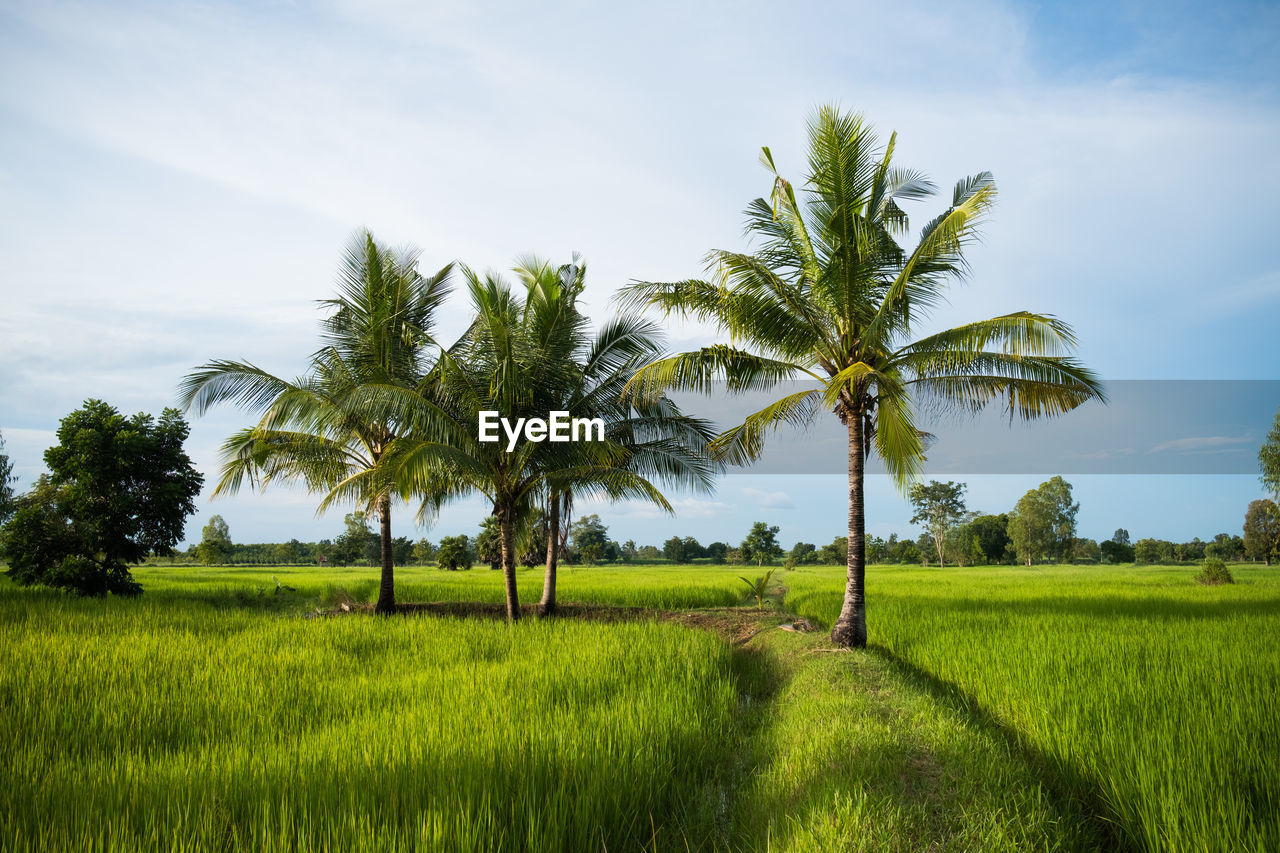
(163, 723)
(1151, 699)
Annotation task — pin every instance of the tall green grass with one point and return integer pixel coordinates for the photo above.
(998, 709)
(156, 724)
(1157, 696)
(659, 587)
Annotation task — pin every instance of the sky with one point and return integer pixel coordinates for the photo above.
(177, 182)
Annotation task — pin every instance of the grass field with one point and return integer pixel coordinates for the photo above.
(1160, 695)
(1000, 709)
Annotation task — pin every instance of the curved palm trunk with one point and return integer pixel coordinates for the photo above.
(387, 589)
(547, 606)
(850, 630)
(506, 525)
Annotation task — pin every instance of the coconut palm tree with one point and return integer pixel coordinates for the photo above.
(830, 295)
(658, 442)
(331, 427)
(518, 359)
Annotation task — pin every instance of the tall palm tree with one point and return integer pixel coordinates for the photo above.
(515, 359)
(657, 441)
(331, 428)
(830, 295)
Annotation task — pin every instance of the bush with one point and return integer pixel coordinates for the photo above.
(1215, 572)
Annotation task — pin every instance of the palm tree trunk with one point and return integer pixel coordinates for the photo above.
(506, 525)
(850, 630)
(547, 606)
(387, 590)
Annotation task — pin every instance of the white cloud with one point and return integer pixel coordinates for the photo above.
(685, 508)
(1208, 443)
(770, 500)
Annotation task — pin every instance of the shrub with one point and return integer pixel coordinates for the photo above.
(1215, 572)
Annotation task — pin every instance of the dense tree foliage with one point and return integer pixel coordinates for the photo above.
(992, 533)
(1269, 459)
(1118, 548)
(455, 552)
(589, 537)
(488, 544)
(118, 489)
(1043, 524)
(761, 544)
(215, 542)
(1262, 531)
(7, 480)
(939, 507)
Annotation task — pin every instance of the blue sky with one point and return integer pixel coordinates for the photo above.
(177, 181)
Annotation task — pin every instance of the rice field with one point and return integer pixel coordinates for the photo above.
(1158, 697)
(1053, 708)
(151, 724)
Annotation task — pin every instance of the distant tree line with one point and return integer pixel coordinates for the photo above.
(1041, 527)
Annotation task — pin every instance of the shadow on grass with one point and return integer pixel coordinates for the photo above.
(1072, 790)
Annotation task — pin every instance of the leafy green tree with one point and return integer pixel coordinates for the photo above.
(716, 551)
(1189, 551)
(802, 554)
(589, 536)
(1262, 531)
(489, 543)
(830, 295)
(992, 533)
(939, 507)
(1118, 549)
(673, 550)
(288, 553)
(215, 542)
(1225, 547)
(1086, 551)
(424, 553)
(902, 552)
(1269, 459)
(1152, 551)
(331, 428)
(1043, 524)
(455, 552)
(693, 549)
(402, 550)
(7, 503)
(629, 551)
(761, 543)
(118, 489)
(353, 543)
(960, 543)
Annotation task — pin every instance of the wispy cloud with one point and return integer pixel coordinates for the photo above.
(1203, 444)
(770, 500)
